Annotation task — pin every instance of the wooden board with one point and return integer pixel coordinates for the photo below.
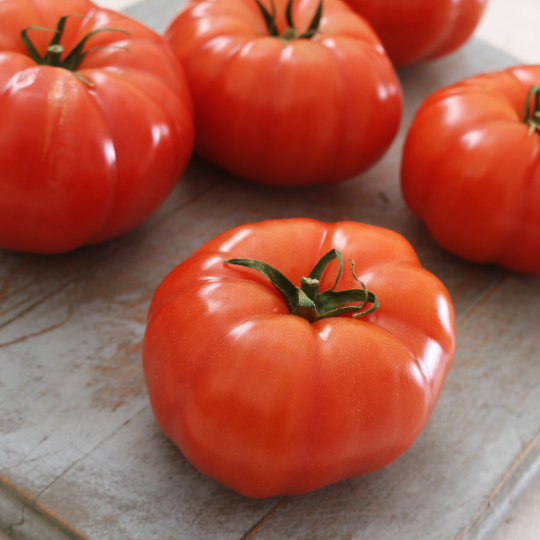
(81, 455)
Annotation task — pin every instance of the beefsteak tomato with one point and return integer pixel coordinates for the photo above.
(283, 106)
(96, 124)
(471, 168)
(273, 389)
(413, 30)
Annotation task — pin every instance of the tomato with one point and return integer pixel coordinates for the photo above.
(270, 402)
(471, 168)
(413, 30)
(86, 153)
(282, 109)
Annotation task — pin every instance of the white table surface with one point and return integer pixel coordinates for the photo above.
(510, 25)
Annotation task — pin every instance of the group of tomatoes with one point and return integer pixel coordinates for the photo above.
(266, 382)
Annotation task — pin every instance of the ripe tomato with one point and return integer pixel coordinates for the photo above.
(286, 110)
(273, 403)
(90, 145)
(413, 30)
(471, 168)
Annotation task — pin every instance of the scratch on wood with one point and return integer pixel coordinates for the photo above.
(28, 460)
(6, 282)
(41, 332)
(121, 377)
(34, 305)
(10, 279)
(253, 531)
(480, 300)
(384, 197)
(34, 503)
(21, 289)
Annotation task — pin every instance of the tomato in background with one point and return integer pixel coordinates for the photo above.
(274, 403)
(471, 168)
(276, 107)
(85, 154)
(414, 30)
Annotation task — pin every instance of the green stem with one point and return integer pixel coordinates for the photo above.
(532, 114)
(307, 301)
(290, 32)
(53, 57)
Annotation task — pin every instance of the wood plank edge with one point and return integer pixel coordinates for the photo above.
(519, 477)
(23, 520)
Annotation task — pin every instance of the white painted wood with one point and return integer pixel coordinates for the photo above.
(77, 437)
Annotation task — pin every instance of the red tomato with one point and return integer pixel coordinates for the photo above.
(87, 154)
(413, 30)
(269, 403)
(283, 111)
(471, 169)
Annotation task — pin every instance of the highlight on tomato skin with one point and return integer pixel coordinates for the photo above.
(275, 390)
(419, 30)
(470, 168)
(299, 94)
(96, 128)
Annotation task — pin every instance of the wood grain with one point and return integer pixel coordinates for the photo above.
(77, 438)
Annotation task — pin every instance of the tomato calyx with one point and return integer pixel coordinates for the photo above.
(532, 115)
(290, 33)
(307, 301)
(53, 56)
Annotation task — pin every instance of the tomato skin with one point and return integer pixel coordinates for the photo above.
(286, 114)
(80, 164)
(471, 170)
(417, 30)
(270, 404)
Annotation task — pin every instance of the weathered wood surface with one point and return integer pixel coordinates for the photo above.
(80, 453)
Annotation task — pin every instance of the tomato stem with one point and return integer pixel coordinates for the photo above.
(55, 50)
(290, 32)
(532, 115)
(54, 54)
(307, 301)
